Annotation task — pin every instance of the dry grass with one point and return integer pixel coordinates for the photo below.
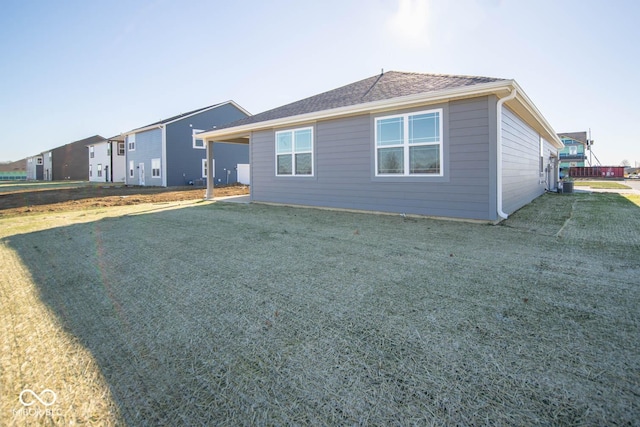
(612, 185)
(247, 314)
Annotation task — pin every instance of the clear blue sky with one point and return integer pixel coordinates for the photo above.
(72, 69)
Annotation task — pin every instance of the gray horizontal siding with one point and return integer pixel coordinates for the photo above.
(520, 162)
(344, 168)
(148, 146)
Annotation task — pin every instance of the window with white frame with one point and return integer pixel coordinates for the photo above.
(155, 168)
(99, 169)
(90, 170)
(197, 142)
(120, 148)
(573, 150)
(130, 168)
(205, 168)
(39, 161)
(409, 144)
(131, 142)
(294, 152)
(108, 149)
(91, 152)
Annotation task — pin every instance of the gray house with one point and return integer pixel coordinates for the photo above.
(426, 144)
(167, 153)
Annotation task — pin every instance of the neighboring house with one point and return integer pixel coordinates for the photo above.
(107, 160)
(574, 152)
(167, 153)
(13, 171)
(68, 162)
(426, 144)
(35, 167)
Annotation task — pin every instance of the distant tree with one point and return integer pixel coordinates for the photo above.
(626, 163)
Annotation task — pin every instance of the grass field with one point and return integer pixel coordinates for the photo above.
(602, 185)
(226, 314)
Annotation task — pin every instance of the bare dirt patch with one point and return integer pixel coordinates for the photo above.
(18, 201)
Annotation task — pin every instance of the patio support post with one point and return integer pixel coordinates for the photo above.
(210, 172)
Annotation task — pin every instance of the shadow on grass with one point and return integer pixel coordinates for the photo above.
(241, 314)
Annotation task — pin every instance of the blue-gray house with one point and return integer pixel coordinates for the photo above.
(167, 153)
(426, 144)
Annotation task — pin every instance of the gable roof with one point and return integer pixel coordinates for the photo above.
(386, 92)
(184, 115)
(389, 85)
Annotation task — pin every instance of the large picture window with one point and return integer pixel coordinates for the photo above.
(409, 144)
(294, 152)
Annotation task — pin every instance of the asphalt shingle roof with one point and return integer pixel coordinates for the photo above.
(391, 84)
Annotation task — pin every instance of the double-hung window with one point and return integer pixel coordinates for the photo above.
(131, 142)
(294, 152)
(409, 144)
(155, 168)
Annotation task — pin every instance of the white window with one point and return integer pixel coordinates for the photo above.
(131, 142)
(155, 168)
(91, 152)
(99, 169)
(573, 150)
(90, 170)
(409, 144)
(39, 161)
(205, 169)
(130, 168)
(108, 149)
(294, 152)
(197, 142)
(120, 148)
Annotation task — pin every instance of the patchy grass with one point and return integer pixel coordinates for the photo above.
(248, 314)
(602, 185)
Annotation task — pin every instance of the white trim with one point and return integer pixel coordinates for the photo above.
(498, 88)
(158, 160)
(131, 173)
(293, 151)
(405, 144)
(164, 123)
(194, 139)
(131, 141)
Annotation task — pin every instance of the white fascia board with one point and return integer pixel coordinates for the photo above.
(144, 129)
(213, 107)
(369, 107)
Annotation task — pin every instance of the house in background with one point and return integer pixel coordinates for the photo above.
(426, 144)
(167, 153)
(35, 167)
(107, 160)
(574, 153)
(67, 162)
(13, 171)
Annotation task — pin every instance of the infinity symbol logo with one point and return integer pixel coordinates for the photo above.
(42, 398)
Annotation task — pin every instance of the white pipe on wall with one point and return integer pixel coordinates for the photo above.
(501, 101)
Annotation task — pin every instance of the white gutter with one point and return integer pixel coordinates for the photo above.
(501, 101)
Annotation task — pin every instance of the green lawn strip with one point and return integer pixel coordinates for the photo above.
(602, 184)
